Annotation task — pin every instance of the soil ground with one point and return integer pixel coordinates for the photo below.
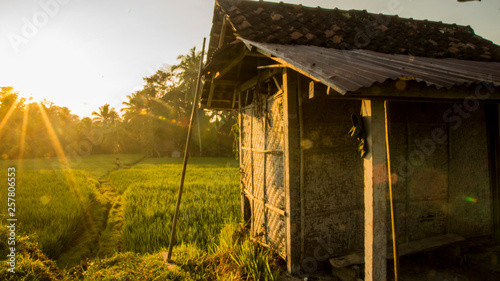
(472, 260)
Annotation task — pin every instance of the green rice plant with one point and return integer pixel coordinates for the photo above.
(31, 263)
(51, 205)
(96, 166)
(130, 266)
(210, 199)
(171, 174)
(255, 261)
(196, 161)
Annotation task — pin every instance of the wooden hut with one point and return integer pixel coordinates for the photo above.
(300, 77)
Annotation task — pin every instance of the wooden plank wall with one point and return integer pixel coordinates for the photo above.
(440, 163)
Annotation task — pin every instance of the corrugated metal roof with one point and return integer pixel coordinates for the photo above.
(347, 71)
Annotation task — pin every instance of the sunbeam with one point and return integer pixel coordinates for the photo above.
(22, 141)
(7, 116)
(61, 156)
(63, 160)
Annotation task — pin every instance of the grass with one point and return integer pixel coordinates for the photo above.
(111, 238)
(96, 166)
(233, 258)
(31, 262)
(210, 200)
(207, 161)
(52, 206)
(63, 214)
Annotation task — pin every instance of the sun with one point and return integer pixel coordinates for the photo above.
(53, 66)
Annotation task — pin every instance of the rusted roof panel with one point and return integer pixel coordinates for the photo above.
(349, 70)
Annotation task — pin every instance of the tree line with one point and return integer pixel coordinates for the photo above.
(154, 121)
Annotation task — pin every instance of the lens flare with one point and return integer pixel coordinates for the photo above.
(471, 199)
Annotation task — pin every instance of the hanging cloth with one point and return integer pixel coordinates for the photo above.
(358, 131)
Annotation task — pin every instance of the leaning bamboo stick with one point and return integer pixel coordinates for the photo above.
(186, 153)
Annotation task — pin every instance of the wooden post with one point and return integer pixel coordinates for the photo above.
(303, 88)
(375, 186)
(492, 126)
(291, 169)
(496, 174)
(240, 158)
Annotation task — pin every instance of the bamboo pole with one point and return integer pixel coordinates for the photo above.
(391, 193)
(186, 152)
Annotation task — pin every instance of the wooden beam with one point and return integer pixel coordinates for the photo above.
(303, 88)
(226, 82)
(276, 82)
(204, 107)
(234, 97)
(266, 205)
(238, 72)
(245, 210)
(211, 93)
(262, 76)
(232, 64)
(496, 174)
(270, 66)
(413, 90)
(291, 169)
(222, 32)
(493, 131)
(217, 100)
(375, 186)
(312, 91)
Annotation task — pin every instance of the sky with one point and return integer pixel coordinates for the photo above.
(82, 54)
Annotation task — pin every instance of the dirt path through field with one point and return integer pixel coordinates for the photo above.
(110, 239)
(101, 235)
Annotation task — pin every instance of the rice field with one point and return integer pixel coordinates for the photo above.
(210, 200)
(93, 223)
(95, 166)
(51, 206)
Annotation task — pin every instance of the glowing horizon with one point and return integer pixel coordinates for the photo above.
(83, 54)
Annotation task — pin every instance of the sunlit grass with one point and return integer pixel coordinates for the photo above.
(96, 166)
(211, 199)
(197, 161)
(210, 244)
(49, 208)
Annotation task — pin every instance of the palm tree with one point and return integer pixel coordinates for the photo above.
(133, 106)
(106, 115)
(188, 70)
(107, 118)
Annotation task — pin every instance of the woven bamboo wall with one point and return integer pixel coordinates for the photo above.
(262, 170)
(333, 181)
